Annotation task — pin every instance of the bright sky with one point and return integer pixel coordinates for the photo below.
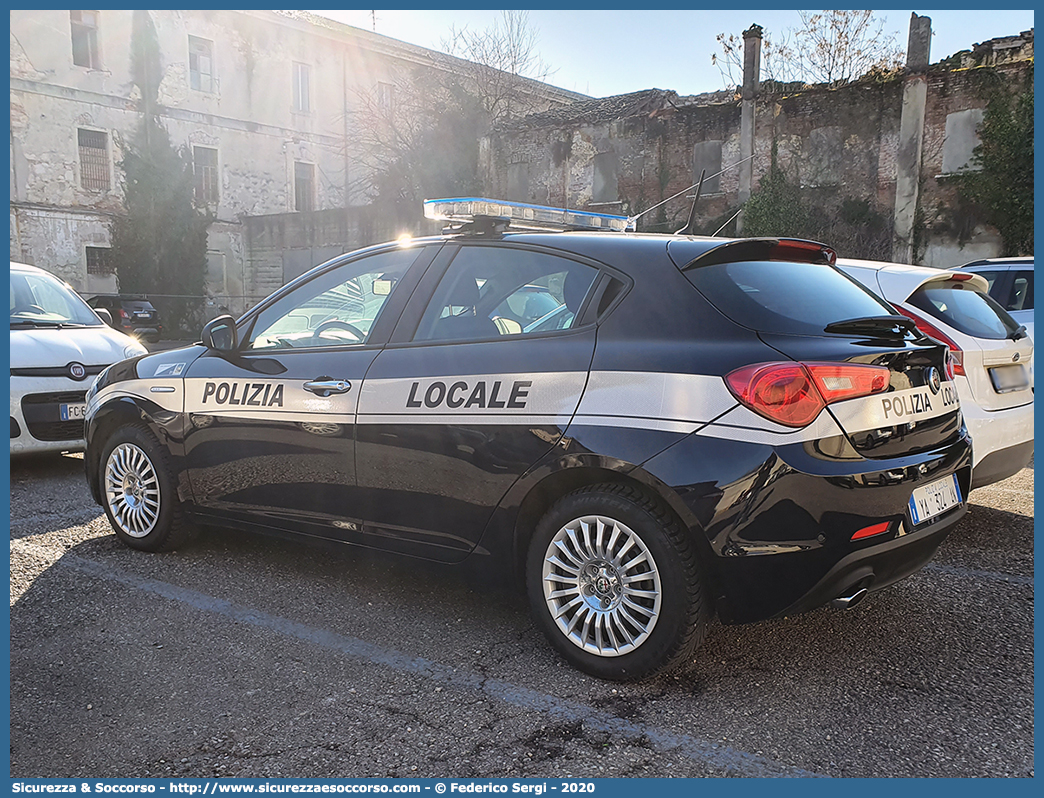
(602, 53)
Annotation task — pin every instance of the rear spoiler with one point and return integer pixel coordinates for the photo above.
(745, 249)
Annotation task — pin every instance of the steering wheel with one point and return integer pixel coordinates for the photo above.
(337, 324)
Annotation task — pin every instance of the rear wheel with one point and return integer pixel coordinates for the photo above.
(138, 491)
(613, 582)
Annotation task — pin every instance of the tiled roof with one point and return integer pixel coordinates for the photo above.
(603, 109)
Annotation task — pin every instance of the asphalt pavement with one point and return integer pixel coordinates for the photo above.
(247, 656)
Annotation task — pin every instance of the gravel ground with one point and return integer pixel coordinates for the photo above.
(251, 657)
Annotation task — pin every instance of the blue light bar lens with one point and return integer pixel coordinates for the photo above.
(521, 215)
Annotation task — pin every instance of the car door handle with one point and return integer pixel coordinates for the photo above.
(324, 386)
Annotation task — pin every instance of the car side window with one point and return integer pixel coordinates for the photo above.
(491, 292)
(337, 308)
(1022, 291)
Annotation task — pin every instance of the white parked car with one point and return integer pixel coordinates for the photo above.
(990, 352)
(58, 346)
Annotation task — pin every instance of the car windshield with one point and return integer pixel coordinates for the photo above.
(40, 300)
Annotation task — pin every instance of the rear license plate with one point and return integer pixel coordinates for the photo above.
(75, 412)
(144, 315)
(934, 498)
(1009, 378)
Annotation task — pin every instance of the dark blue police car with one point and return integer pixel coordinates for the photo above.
(645, 429)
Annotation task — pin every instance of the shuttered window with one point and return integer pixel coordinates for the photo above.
(304, 186)
(205, 172)
(94, 160)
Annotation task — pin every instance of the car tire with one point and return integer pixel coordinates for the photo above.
(620, 618)
(139, 493)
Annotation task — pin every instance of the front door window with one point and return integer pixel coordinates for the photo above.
(338, 308)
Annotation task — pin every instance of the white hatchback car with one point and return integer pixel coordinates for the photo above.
(58, 345)
(990, 352)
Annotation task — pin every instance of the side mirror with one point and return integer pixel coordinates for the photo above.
(221, 334)
(104, 315)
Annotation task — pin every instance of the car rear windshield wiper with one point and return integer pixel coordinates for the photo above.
(1019, 334)
(877, 325)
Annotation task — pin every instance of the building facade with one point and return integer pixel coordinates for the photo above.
(264, 101)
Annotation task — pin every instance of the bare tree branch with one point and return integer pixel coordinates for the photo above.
(420, 139)
(831, 47)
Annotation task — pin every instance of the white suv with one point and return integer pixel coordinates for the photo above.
(1011, 284)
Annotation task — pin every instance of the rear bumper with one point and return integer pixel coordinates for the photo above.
(880, 565)
(1000, 437)
(1001, 464)
(149, 332)
(779, 533)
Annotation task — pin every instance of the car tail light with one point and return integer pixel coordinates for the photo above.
(793, 394)
(124, 314)
(955, 363)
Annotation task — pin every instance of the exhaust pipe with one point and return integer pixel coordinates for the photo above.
(845, 602)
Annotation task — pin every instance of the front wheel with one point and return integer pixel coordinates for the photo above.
(138, 491)
(614, 584)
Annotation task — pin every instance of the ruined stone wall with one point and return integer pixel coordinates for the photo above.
(836, 143)
(957, 98)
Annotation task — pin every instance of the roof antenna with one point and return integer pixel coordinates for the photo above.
(690, 226)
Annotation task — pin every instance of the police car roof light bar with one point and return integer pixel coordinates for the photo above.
(521, 215)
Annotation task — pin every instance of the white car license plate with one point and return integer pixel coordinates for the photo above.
(142, 315)
(75, 412)
(934, 498)
(1009, 378)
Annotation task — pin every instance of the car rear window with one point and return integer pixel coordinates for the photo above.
(132, 304)
(966, 310)
(785, 297)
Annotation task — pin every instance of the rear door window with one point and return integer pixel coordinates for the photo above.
(785, 297)
(966, 310)
(490, 292)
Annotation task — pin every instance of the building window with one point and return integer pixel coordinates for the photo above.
(386, 97)
(605, 187)
(85, 38)
(201, 64)
(98, 261)
(94, 160)
(304, 186)
(302, 102)
(960, 140)
(706, 156)
(205, 172)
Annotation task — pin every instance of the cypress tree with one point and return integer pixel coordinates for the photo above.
(159, 244)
